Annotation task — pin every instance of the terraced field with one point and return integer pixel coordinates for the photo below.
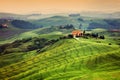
(68, 59)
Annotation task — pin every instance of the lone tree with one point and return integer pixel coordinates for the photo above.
(83, 32)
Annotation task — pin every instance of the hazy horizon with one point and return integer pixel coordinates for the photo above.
(58, 6)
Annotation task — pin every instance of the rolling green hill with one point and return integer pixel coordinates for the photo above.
(56, 21)
(79, 22)
(40, 54)
(14, 28)
(67, 59)
(46, 32)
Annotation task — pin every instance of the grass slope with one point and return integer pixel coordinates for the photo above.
(48, 32)
(68, 59)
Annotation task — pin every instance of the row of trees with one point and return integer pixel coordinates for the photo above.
(94, 35)
(68, 26)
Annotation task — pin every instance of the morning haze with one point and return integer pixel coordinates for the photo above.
(58, 6)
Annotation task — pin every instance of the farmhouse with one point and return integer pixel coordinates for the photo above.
(77, 33)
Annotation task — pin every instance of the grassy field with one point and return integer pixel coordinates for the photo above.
(48, 32)
(67, 59)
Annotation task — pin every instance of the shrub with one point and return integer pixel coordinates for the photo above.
(32, 47)
(102, 37)
(109, 44)
(3, 47)
(70, 36)
(98, 41)
(95, 35)
(85, 37)
(87, 34)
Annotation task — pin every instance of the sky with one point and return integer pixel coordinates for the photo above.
(58, 6)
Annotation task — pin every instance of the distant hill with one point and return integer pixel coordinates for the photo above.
(24, 24)
(18, 24)
(47, 32)
(106, 24)
(98, 14)
(19, 16)
(79, 22)
(56, 21)
(11, 16)
(33, 16)
(14, 27)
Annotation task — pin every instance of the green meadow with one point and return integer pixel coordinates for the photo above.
(67, 59)
(42, 49)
